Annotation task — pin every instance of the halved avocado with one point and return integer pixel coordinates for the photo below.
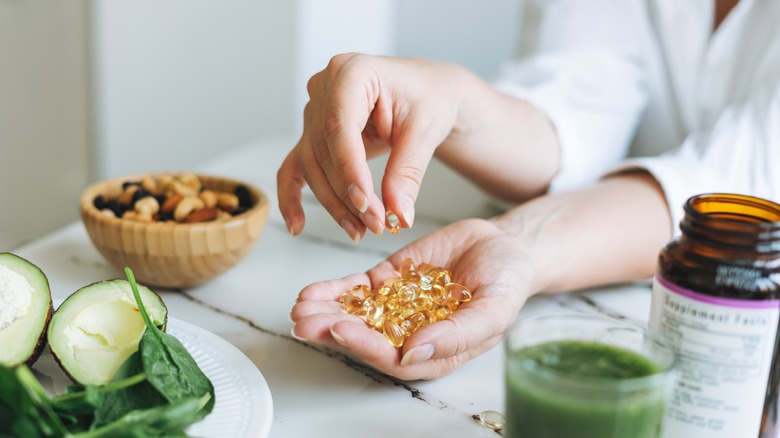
(25, 309)
(96, 328)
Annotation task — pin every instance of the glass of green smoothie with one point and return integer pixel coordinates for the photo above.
(585, 375)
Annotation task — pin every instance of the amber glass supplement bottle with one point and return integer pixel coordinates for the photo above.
(716, 294)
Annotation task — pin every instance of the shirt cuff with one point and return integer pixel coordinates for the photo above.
(680, 176)
(549, 102)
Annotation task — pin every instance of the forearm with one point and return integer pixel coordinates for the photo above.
(608, 233)
(503, 144)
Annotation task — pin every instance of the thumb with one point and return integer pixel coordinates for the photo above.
(468, 333)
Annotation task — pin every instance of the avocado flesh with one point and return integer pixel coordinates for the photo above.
(25, 300)
(98, 327)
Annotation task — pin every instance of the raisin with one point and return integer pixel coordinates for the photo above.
(100, 202)
(244, 196)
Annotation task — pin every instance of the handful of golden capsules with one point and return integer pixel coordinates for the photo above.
(419, 295)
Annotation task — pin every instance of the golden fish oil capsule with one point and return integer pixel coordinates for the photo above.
(353, 304)
(361, 291)
(393, 332)
(408, 270)
(393, 223)
(458, 291)
(404, 304)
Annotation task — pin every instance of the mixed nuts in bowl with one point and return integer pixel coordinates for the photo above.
(174, 229)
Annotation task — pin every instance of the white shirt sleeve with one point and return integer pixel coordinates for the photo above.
(583, 69)
(739, 153)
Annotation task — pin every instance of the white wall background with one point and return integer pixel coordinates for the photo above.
(479, 35)
(176, 82)
(179, 81)
(44, 116)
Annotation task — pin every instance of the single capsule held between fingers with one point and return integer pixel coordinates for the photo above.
(393, 223)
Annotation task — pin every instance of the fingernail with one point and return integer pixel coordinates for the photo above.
(407, 211)
(289, 228)
(351, 230)
(418, 354)
(340, 339)
(358, 198)
(373, 223)
(292, 333)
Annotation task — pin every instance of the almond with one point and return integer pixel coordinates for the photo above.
(202, 215)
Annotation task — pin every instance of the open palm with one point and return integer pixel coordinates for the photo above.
(480, 256)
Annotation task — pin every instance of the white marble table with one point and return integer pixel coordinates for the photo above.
(318, 392)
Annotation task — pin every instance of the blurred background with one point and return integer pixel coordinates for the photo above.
(91, 89)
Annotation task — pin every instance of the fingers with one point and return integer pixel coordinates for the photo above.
(316, 328)
(405, 171)
(470, 331)
(369, 345)
(332, 289)
(348, 102)
(289, 183)
(332, 153)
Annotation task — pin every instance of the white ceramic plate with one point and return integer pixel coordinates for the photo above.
(243, 407)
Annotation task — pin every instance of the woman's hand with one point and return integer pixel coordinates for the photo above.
(491, 263)
(361, 106)
(607, 233)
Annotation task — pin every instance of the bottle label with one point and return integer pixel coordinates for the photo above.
(724, 349)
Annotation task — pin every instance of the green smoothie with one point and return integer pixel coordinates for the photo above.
(582, 389)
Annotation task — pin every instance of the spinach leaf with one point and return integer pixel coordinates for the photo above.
(141, 395)
(158, 391)
(24, 406)
(167, 420)
(168, 365)
(18, 414)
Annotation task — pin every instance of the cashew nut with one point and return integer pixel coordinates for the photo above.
(187, 206)
(227, 201)
(209, 198)
(147, 205)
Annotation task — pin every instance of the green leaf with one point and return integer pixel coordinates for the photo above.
(78, 405)
(167, 420)
(24, 406)
(141, 395)
(18, 415)
(168, 365)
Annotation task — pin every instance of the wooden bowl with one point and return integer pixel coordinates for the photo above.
(170, 254)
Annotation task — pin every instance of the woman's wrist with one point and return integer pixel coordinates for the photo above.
(492, 137)
(527, 231)
(607, 233)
